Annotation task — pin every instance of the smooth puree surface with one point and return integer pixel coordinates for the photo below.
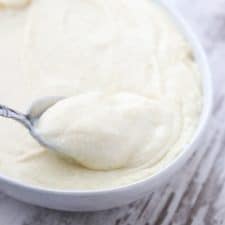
(134, 91)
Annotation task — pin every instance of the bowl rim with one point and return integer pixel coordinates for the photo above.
(203, 65)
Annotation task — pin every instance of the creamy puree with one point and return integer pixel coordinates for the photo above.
(104, 131)
(134, 91)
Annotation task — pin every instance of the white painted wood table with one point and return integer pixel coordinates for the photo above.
(196, 195)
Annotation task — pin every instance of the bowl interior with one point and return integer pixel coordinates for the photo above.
(179, 160)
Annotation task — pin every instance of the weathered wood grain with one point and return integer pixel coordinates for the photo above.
(197, 194)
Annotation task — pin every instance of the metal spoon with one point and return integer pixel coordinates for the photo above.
(28, 120)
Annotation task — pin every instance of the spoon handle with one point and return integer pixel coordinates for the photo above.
(19, 117)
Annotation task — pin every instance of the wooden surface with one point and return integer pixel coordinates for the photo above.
(197, 194)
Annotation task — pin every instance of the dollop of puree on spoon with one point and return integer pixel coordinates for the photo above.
(103, 132)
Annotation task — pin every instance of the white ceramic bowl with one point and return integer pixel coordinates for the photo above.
(105, 199)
